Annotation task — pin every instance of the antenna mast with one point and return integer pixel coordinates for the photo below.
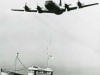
(48, 55)
(17, 58)
(16, 61)
(47, 58)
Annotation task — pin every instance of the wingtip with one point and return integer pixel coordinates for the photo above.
(97, 3)
(12, 10)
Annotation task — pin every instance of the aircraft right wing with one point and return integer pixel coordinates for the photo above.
(47, 11)
(17, 10)
(24, 10)
(40, 10)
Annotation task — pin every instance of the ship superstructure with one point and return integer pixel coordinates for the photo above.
(33, 70)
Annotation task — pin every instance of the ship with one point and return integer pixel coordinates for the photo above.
(15, 72)
(4, 72)
(33, 70)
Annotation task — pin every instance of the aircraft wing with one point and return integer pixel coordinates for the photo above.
(88, 5)
(17, 10)
(32, 11)
(24, 10)
(71, 8)
(46, 11)
(43, 11)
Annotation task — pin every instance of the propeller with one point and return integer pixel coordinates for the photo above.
(81, 3)
(26, 8)
(25, 5)
(38, 6)
(67, 5)
(39, 9)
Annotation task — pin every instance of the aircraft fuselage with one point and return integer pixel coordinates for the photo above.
(53, 7)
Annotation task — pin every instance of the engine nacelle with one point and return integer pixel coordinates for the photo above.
(39, 9)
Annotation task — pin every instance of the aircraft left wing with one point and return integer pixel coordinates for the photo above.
(89, 5)
(80, 5)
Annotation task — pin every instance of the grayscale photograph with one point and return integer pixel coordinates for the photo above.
(50, 37)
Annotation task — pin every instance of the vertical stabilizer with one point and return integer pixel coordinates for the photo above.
(60, 3)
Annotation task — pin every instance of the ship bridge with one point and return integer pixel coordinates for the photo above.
(33, 70)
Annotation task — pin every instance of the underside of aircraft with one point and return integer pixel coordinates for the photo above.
(52, 7)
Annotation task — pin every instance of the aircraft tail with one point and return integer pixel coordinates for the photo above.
(60, 3)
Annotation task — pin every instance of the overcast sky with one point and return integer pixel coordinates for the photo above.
(74, 36)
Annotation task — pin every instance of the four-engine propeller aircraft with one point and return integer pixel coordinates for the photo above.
(81, 5)
(52, 7)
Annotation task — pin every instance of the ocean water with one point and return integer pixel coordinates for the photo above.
(70, 71)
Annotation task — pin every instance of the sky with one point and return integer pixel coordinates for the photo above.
(73, 38)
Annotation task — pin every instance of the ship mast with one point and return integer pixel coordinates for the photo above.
(48, 55)
(17, 58)
(16, 61)
(47, 58)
